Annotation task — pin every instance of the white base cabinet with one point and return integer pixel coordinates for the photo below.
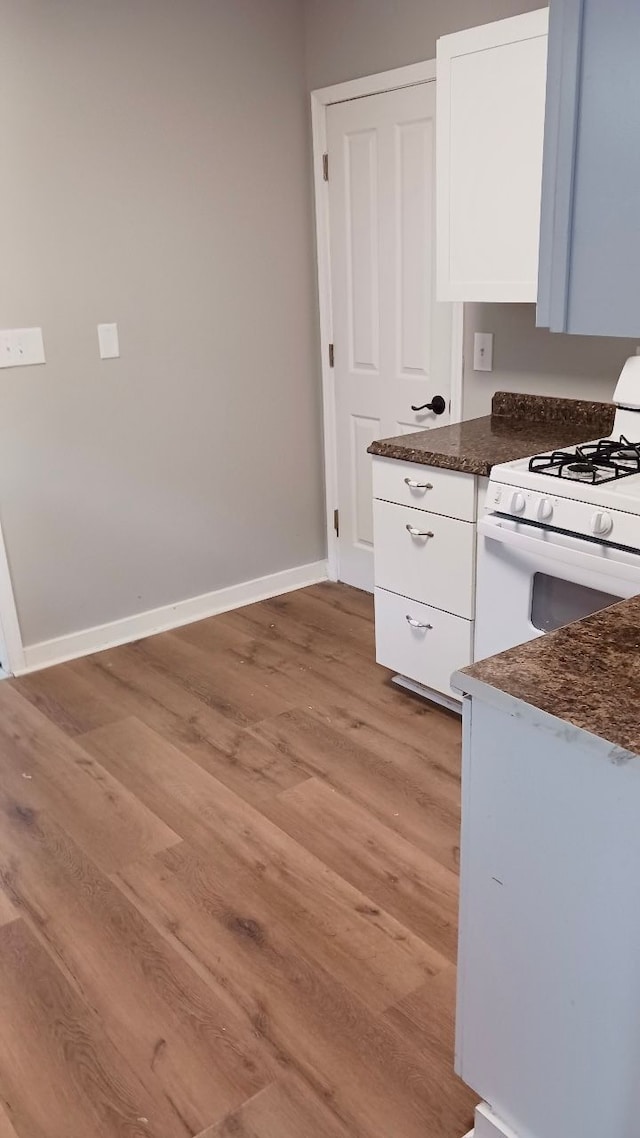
(424, 521)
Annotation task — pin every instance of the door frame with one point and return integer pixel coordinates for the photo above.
(323, 97)
(9, 624)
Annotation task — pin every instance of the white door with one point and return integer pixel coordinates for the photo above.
(392, 341)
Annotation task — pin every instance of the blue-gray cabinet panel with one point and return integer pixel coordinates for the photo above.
(590, 228)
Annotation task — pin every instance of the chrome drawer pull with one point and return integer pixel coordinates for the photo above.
(413, 485)
(416, 623)
(419, 532)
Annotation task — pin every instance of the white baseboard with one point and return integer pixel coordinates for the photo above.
(88, 640)
(440, 698)
(488, 1125)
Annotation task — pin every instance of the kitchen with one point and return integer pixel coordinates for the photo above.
(523, 527)
(229, 842)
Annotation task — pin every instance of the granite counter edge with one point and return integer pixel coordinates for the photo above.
(474, 687)
(467, 464)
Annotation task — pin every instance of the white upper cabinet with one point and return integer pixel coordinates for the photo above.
(490, 130)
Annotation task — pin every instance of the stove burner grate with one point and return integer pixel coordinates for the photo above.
(599, 462)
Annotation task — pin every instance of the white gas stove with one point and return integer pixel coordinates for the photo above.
(560, 538)
(607, 508)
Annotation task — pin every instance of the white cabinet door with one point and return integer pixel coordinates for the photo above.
(420, 642)
(431, 488)
(425, 556)
(491, 100)
(392, 340)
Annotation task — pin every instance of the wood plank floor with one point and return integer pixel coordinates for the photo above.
(228, 888)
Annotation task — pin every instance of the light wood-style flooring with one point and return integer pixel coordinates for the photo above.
(228, 888)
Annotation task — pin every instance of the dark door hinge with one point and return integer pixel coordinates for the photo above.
(336, 522)
(325, 167)
(332, 355)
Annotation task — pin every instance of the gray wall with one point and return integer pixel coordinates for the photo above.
(350, 38)
(155, 173)
(526, 358)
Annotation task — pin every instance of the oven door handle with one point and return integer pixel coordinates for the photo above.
(573, 558)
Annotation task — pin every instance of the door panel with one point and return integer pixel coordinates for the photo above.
(414, 210)
(392, 340)
(362, 250)
(364, 431)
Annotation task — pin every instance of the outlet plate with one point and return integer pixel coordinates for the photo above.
(483, 351)
(21, 347)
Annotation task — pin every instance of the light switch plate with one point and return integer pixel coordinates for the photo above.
(483, 351)
(21, 347)
(108, 341)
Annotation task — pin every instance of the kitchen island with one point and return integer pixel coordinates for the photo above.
(548, 1017)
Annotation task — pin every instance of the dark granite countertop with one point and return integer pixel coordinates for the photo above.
(519, 425)
(587, 674)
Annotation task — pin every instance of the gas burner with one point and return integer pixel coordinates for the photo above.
(595, 463)
(581, 469)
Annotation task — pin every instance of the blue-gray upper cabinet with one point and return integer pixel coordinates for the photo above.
(589, 264)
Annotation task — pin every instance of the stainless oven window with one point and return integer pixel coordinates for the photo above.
(555, 602)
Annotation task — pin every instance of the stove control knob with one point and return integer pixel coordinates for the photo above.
(601, 524)
(545, 509)
(517, 503)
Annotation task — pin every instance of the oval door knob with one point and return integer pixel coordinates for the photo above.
(438, 405)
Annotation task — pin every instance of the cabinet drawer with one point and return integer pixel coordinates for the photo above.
(447, 492)
(437, 568)
(428, 651)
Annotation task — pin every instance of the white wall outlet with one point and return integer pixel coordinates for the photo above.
(108, 341)
(483, 351)
(21, 347)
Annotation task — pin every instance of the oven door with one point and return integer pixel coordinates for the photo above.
(532, 580)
